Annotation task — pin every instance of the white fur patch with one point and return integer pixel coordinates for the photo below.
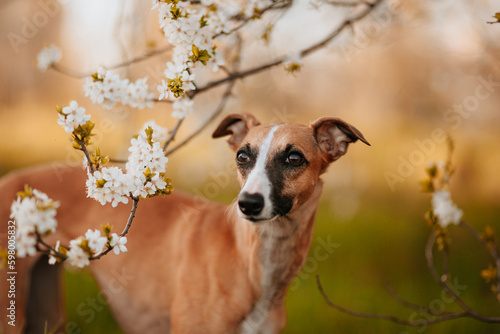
(258, 182)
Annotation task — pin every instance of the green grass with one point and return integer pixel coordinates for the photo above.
(382, 245)
(85, 307)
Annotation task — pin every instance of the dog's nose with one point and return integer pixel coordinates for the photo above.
(251, 204)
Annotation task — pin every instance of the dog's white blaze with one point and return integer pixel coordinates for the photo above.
(258, 182)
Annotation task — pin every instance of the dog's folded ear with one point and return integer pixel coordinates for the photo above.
(236, 125)
(334, 135)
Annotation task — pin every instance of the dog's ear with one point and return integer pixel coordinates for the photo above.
(236, 125)
(334, 135)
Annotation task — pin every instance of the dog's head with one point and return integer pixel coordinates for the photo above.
(279, 164)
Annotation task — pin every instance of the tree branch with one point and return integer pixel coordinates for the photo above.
(346, 3)
(131, 216)
(446, 317)
(135, 201)
(49, 249)
(491, 249)
(80, 75)
(215, 113)
(444, 284)
(275, 5)
(83, 148)
(304, 52)
(173, 133)
(442, 280)
(415, 306)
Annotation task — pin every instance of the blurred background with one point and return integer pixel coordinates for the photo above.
(404, 76)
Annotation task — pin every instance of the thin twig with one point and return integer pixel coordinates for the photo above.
(304, 52)
(131, 216)
(446, 317)
(415, 306)
(49, 250)
(68, 71)
(491, 249)
(444, 284)
(83, 148)
(446, 258)
(173, 133)
(275, 5)
(135, 201)
(346, 3)
(215, 113)
(79, 75)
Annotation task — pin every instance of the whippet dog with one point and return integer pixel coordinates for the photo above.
(192, 266)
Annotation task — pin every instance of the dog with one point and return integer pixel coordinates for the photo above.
(192, 266)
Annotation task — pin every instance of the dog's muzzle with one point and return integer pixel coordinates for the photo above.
(251, 205)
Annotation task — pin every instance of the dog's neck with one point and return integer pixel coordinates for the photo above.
(275, 250)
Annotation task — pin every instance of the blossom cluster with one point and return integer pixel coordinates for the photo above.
(192, 30)
(35, 216)
(34, 212)
(144, 176)
(47, 57)
(82, 249)
(107, 88)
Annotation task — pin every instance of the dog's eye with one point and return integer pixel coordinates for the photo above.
(242, 157)
(294, 159)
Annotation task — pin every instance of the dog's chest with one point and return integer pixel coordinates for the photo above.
(274, 253)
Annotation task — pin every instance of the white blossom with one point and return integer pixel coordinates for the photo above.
(96, 241)
(444, 208)
(76, 255)
(197, 26)
(174, 71)
(33, 213)
(47, 57)
(72, 116)
(138, 94)
(188, 81)
(143, 156)
(25, 244)
(182, 107)
(110, 185)
(107, 88)
(159, 133)
(143, 176)
(163, 89)
(118, 243)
